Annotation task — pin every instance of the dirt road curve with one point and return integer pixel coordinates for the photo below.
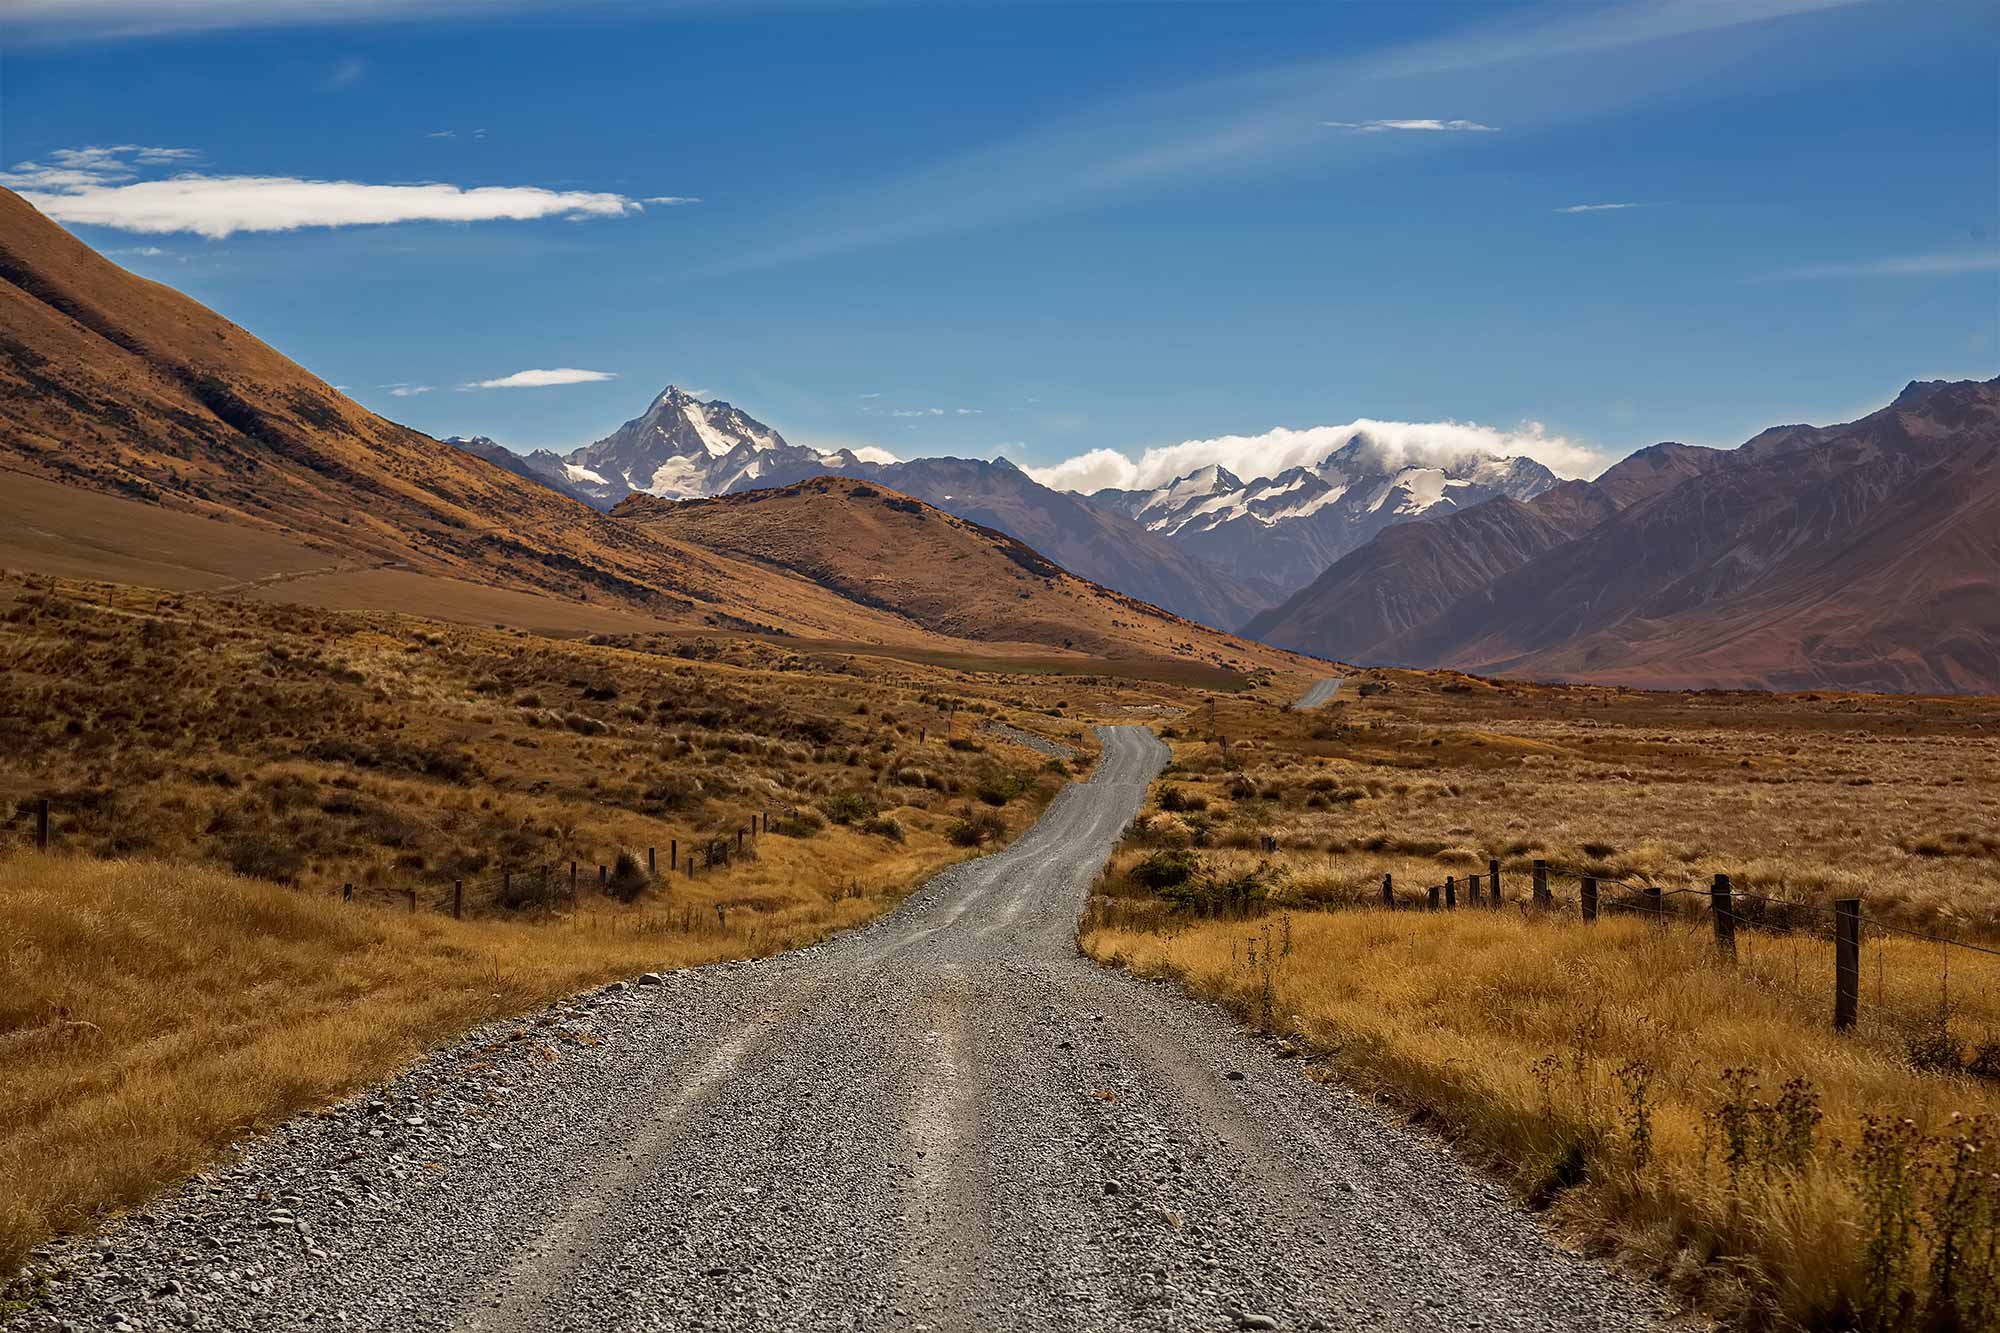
(1321, 692)
(948, 1120)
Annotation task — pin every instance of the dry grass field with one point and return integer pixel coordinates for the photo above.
(1698, 1118)
(182, 966)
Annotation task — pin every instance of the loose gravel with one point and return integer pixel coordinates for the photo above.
(945, 1120)
(1321, 693)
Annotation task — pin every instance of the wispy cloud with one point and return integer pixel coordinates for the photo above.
(967, 412)
(139, 251)
(1904, 266)
(542, 379)
(347, 73)
(442, 134)
(672, 200)
(1436, 126)
(867, 395)
(97, 187)
(408, 390)
(1393, 443)
(917, 412)
(1597, 208)
(1202, 133)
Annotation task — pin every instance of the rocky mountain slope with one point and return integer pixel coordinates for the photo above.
(1858, 556)
(1276, 534)
(680, 447)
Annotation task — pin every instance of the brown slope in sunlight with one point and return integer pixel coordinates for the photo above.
(1861, 556)
(884, 549)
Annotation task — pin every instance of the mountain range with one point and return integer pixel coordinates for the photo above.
(148, 440)
(1276, 534)
(1857, 556)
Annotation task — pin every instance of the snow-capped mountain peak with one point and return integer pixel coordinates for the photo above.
(681, 447)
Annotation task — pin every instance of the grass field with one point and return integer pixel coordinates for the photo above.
(1700, 1119)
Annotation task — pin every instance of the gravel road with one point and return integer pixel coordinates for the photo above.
(1322, 691)
(945, 1120)
(1039, 744)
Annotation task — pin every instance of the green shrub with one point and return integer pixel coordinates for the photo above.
(848, 808)
(976, 830)
(1167, 869)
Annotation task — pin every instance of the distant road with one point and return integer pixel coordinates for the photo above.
(946, 1120)
(1321, 691)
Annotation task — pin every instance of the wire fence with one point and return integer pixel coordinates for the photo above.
(1882, 979)
(539, 884)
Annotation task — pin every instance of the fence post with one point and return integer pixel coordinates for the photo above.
(458, 900)
(1722, 909)
(1846, 962)
(674, 854)
(1450, 893)
(347, 892)
(572, 880)
(1493, 879)
(1472, 888)
(42, 824)
(739, 841)
(413, 900)
(1655, 906)
(1388, 893)
(1590, 897)
(600, 874)
(1433, 895)
(1543, 900)
(652, 865)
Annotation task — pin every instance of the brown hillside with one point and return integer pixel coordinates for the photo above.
(883, 549)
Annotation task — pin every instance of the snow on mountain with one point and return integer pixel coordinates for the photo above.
(1277, 533)
(681, 447)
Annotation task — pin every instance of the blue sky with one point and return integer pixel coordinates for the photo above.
(1052, 229)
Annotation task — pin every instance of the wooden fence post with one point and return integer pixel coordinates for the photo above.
(1388, 893)
(347, 892)
(1450, 893)
(572, 880)
(1722, 909)
(652, 863)
(42, 824)
(1493, 880)
(1590, 897)
(1433, 896)
(413, 900)
(600, 874)
(674, 855)
(458, 900)
(1472, 888)
(739, 841)
(507, 887)
(1543, 899)
(1846, 962)
(1655, 906)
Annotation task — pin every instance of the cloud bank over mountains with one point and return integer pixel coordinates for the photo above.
(1391, 443)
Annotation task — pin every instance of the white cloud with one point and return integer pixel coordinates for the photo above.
(917, 412)
(97, 187)
(968, 412)
(672, 200)
(1438, 126)
(1595, 208)
(1904, 266)
(871, 453)
(541, 379)
(867, 395)
(347, 73)
(1393, 443)
(442, 134)
(142, 251)
(408, 390)
(219, 206)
